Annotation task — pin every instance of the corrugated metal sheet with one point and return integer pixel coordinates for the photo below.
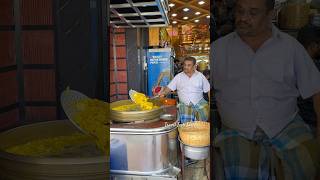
(7, 57)
(6, 12)
(9, 119)
(36, 114)
(38, 47)
(36, 12)
(8, 89)
(40, 85)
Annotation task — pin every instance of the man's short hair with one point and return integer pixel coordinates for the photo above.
(270, 4)
(308, 35)
(189, 58)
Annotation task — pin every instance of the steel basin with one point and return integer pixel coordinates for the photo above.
(195, 153)
(93, 165)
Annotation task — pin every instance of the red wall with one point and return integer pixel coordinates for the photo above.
(119, 87)
(37, 50)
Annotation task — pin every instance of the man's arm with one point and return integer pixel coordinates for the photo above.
(316, 105)
(164, 92)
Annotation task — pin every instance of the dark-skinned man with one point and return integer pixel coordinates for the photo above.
(258, 73)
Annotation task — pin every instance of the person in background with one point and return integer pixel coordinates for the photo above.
(309, 37)
(258, 74)
(206, 74)
(190, 85)
(177, 67)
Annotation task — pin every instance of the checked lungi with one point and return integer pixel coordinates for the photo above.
(293, 154)
(192, 112)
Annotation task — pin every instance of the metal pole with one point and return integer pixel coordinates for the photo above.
(115, 67)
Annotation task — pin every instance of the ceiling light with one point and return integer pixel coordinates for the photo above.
(201, 2)
(197, 20)
(197, 13)
(185, 18)
(208, 17)
(174, 15)
(174, 22)
(186, 9)
(171, 5)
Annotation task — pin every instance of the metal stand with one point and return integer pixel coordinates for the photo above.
(171, 174)
(182, 165)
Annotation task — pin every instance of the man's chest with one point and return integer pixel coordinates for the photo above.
(189, 84)
(270, 63)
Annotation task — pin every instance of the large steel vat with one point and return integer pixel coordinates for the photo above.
(88, 163)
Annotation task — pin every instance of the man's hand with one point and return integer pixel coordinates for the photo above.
(164, 91)
(156, 90)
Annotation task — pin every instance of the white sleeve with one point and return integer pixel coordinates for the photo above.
(205, 84)
(307, 74)
(173, 83)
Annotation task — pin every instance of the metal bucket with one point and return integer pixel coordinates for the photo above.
(73, 166)
(195, 153)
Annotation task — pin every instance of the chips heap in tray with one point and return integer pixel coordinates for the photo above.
(92, 117)
(50, 146)
(141, 103)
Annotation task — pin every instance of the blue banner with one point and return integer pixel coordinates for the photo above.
(159, 68)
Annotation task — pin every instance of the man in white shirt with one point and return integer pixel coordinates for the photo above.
(258, 73)
(190, 85)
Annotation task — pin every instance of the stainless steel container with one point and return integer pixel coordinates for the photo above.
(195, 153)
(141, 148)
(88, 163)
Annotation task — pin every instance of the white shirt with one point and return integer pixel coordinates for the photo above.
(190, 89)
(260, 89)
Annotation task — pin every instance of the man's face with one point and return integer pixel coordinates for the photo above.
(251, 17)
(188, 66)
